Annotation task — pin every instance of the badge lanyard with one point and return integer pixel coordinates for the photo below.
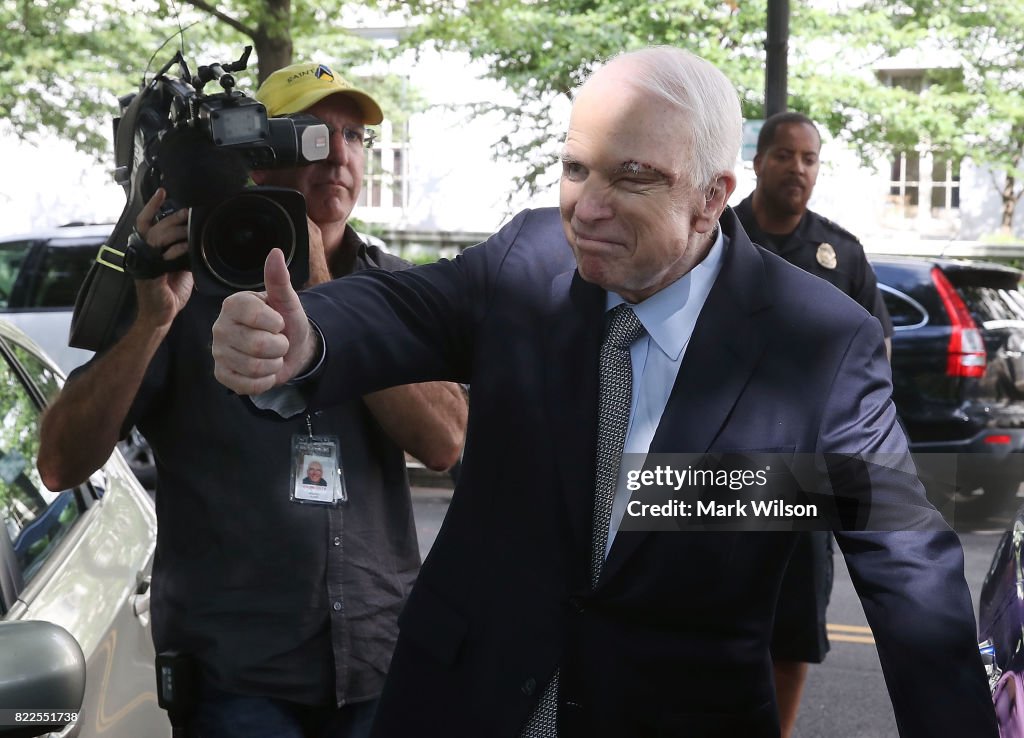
(317, 476)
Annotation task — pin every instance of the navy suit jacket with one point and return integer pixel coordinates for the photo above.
(674, 639)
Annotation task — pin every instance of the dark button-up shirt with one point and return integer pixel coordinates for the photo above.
(275, 598)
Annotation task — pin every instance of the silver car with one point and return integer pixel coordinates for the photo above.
(79, 558)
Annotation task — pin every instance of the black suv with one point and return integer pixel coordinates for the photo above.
(958, 372)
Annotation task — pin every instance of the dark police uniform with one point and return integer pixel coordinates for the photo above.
(824, 249)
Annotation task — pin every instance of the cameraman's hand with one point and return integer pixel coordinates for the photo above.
(262, 339)
(162, 298)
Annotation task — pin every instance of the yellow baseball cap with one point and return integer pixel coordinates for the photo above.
(295, 88)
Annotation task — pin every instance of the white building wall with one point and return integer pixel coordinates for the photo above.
(981, 205)
(49, 183)
(454, 181)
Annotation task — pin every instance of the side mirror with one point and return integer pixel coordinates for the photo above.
(42, 671)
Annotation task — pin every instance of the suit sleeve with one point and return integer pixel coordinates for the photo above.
(382, 329)
(910, 581)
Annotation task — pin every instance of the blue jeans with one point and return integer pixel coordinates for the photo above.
(225, 715)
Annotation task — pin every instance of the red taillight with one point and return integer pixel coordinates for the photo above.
(998, 439)
(966, 353)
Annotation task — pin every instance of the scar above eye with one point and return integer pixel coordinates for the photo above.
(638, 167)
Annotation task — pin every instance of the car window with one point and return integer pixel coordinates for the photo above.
(46, 380)
(904, 311)
(993, 305)
(34, 518)
(12, 254)
(59, 275)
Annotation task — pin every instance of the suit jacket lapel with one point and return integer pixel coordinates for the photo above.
(726, 345)
(723, 351)
(572, 336)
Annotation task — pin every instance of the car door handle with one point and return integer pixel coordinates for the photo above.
(98, 480)
(140, 600)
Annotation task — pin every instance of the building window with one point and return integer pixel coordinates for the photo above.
(945, 184)
(385, 180)
(940, 188)
(904, 183)
(924, 184)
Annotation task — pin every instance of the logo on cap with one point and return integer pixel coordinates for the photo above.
(324, 72)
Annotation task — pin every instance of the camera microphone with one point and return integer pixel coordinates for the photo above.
(198, 172)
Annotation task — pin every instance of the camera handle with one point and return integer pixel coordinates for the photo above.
(220, 72)
(143, 261)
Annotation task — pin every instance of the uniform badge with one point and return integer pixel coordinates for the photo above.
(826, 256)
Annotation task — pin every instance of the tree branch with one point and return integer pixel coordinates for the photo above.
(212, 10)
(995, 182)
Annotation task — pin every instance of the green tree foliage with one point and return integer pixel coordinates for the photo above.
(64, 63)
(971, 105)
(542, 50)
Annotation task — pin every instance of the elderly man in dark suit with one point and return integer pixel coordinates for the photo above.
(538, 612)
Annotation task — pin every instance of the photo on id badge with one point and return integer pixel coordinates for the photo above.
(316, 471)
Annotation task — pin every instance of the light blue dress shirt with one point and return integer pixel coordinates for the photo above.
(669, 317)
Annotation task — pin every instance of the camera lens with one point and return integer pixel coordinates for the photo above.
(239, 234)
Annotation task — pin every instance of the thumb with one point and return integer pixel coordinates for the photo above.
(278, 285)
(281, 297)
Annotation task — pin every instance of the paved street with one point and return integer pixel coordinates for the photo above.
(847, 689)
(846, 696)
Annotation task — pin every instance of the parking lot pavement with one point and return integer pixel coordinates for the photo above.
(430, 504)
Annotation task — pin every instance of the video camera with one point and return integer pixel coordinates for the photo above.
(201, 148)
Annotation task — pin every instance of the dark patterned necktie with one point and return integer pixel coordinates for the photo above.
(615, 394)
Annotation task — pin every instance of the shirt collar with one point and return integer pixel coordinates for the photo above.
(669, 315)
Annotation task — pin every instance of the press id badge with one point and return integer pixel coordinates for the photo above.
(317, 477)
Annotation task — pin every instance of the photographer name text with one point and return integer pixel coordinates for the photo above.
(710, 509)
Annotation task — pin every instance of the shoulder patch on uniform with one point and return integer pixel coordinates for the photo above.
(838, 229)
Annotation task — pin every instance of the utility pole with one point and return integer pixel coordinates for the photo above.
(776, 48)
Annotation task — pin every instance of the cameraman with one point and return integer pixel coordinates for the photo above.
(288, 607)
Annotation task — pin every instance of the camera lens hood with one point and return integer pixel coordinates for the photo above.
(229, 242)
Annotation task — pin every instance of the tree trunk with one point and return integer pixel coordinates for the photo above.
(272, 39)
(1010, 198)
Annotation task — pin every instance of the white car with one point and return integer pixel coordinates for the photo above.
(79, 558)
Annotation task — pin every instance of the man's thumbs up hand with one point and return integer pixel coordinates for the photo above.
(262, 339)
(282, 298)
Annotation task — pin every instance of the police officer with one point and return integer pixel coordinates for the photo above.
(775, 215)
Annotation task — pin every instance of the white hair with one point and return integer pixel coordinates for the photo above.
(712, 120)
